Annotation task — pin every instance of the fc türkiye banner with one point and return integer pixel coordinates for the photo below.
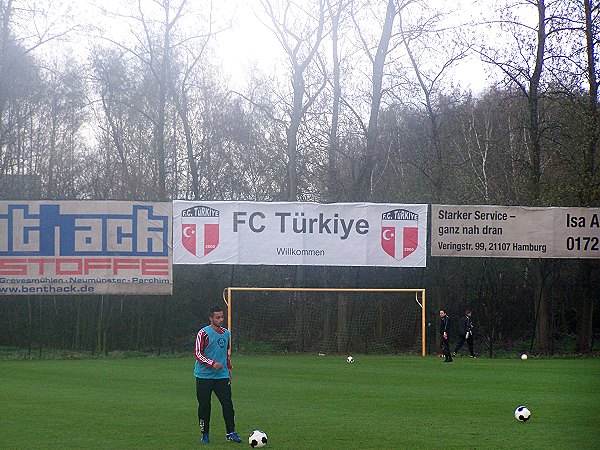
(85, 247)
(297, 233)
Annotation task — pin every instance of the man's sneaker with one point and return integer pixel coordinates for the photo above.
(453, 353)
(233, 437)
(204, 438)
(473, 356)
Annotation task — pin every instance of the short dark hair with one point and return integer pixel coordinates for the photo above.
(467, 312)
(214, 309)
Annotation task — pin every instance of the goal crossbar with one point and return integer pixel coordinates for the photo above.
(228, 295)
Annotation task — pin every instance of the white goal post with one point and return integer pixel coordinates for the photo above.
(228, 297)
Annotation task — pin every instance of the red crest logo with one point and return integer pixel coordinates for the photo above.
(200, 230)
(399, 233)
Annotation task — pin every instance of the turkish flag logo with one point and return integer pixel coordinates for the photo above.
(188, 237)
(200, 229)
(399, 233)
(200, 244)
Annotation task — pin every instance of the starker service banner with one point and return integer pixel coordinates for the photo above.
(515, 231)
(339, 234)
(85, 247)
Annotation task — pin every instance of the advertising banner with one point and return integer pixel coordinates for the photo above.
(85, 247)
(515, 232)
(339, 234)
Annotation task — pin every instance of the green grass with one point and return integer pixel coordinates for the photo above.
(305, 402)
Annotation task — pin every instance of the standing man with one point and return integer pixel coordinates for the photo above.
(213, 374)
(465, 333)
(445, 335)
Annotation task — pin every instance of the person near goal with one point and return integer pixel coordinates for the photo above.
(465, 333)
(213, 374)
(445, 335)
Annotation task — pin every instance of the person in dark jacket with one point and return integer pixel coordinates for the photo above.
(445, 335)
(465, 333)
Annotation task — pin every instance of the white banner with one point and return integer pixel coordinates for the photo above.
(339, 234)
(85, 247)
(515, 232)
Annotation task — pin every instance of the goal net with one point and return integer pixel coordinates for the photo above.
(326, 320)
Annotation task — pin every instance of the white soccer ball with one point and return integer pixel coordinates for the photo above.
(524, 356)
(257, 439)
(350, 359)
(522, 414)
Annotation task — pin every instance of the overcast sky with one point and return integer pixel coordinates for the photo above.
(244, 41)
(250, 42)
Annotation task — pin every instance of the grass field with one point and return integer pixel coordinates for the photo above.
(305, 402)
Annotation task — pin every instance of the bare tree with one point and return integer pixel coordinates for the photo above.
(591, 196)
(169, 42)
(25, 27)
(299, 28)
(523, 69)
(577, 66)
(157, 54)
(422, 40)
(335, 13)
(363, 181)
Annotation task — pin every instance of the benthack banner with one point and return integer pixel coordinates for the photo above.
(295, 233)
(85, 247)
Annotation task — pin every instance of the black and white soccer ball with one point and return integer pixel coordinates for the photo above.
(258, 439)
(350, 359)
(522, 414)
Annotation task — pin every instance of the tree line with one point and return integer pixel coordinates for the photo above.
(367, 106)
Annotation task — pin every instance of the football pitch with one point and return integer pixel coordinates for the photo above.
(305, 402)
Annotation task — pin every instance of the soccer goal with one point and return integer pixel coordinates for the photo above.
(326, 320)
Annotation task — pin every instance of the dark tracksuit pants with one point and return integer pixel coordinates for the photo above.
(222, 389)
(461, 342)
(445, 343)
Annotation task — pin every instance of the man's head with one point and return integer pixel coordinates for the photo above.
(216, 315)
(442, 313)
(468, 312)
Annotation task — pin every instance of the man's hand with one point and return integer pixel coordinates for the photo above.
(217, 365)
(445, 335)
